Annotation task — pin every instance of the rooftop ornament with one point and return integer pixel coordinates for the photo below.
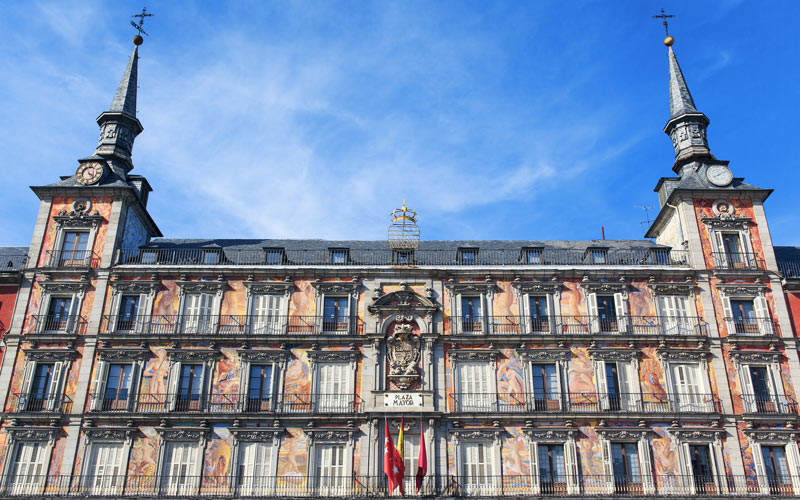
(403, 232)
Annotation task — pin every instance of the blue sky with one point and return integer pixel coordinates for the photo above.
(496, 120)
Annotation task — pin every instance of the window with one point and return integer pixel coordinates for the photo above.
(255, 471)
(688, 382)
(403, 257)
(274, 256)
(540, 318)
(339, 255)
(532, 255)
(410, 459)
(198, 313)
(114, 384)
(211, 257)
(606, 313)
(746, 315)
(762, 387)
(40, 388)
(702, 467)
(479, 468)
(74, 248)
(149, 256)
(59, 314)
(190, 388)
(330, 469)
(552, 472)
(554, 467)
(617, 383)
(599, 255)
(130, 316)
(471, 317)
(266, 317)
(546, 387)
(468, 256)
(475, 387)
(29, 469)
(106, 469)
(180, 474)
(776, 469)
(118, 386)
(732, 248)
(336, 315)
(260, 390)
(334, 392)
(42, 382)
(625, 464)
(675, 315)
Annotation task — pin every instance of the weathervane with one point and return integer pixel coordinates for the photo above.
(137, 39)
(664, 16)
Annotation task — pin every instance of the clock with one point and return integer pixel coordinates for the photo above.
(719, 175)
(89, 173)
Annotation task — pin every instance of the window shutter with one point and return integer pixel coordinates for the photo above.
(645, 464)
(73, 313)
(686, 484)
(762, 315)
(793, 459)
(571, 460)
(560, 386)
(133, 393)
(594, 323)
(174, 379)
(54, 395)
(726, 307)
(27, 380)
(98, 384)
(551, 313)
(244, 383)
(602, 384)
(758, 460)
(142, 318)
(748, 393)
(534, 468)
(608, 470)
(629, 381)
(622, 312)
(720, 251)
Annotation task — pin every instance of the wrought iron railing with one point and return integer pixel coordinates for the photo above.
(578, 325)
(739, 261)
(583, 402)
(789, 268)
(231, 324)
(654, 256)
(557, 484)
(20, 403)
(57, 323)
(70, 258)
(765, 404)
(752, 327)
(228, 403)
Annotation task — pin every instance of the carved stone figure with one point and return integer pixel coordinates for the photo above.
(403, 351)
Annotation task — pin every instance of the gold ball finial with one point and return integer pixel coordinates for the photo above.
(669, 41)
(138, 40)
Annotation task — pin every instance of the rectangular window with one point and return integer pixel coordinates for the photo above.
(546, 390)
(29, 470)
(674, 314)
(763, 395)
(266, 314)
(105, 471)
(259, 393)
(468, 256)
(118, 386)
(58, 314)
(776, 468)
(552, 473)
(179, 476)
(744, 316)
(339, 255)
(475, 388)
(532, 255)
(198, 313)
(330, 465)
(190, 387)
(540, 318)
(688, 393)
(599, 255)
(211, 257)
(607, 313)
(625, 464)
(254, 468)
(732, 246)
(74, 249)
(478, 467)
(702, 468)
(471, 317)
(336, 314)
(410, 459)
(128, 311)
(334, 392)
(275, 256)
(403, 257)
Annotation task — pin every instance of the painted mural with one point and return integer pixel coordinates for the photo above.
(134, 235)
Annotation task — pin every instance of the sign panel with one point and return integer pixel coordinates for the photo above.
(402, 400)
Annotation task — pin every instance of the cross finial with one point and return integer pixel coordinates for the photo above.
(141, 20)
(664, 16)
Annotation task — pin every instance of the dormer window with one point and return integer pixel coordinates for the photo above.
(468, 256)
(532, 255)
(211, 257)
(274, 256)
(403, 257)
(599, 255)
(339, 256)
(149, 256)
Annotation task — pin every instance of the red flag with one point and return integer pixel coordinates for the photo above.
(392, 462)
(422, 462)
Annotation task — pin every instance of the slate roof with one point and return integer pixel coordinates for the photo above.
(788, 260)
(12, 258)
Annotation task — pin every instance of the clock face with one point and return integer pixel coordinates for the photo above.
(719, 175)
(89, 173)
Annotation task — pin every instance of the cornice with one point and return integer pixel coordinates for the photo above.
(553, 286)
(269, 287)
(745, 289)
(682, 354)
(329, 434)
(480, 434)
(256, 433)
(271, 355)
(49, 354)
(558, 435)
(217, 285)
(614, 354)
(317, 355)
(462, 287)
(590, 286)
(623, 433)
(123, 353)
(192, 354)
(543, 354)
(755, 356)
(344, 287)
(135, 286)
(772, 435)
(473, 354)
(671, 287)
(697, 434)
(182, 433)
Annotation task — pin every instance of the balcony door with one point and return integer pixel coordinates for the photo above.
(552, 470)
(60, 314)
(130, 316)
(621, 392)
(266, 314)
(106, 474)
(471, 317)
(539, 315)
(29, 470)
(475, 390)
(479, 469)
(198, 313)
(689, 396)
(330, 470)
(190, 387)
(776, 470)
(336, 315)
(118, 386)
(255, 472)
(334, 388)
(259, 389)
(626, 468)
(702, 469)
(675, 315)
(74, 249)
(180, 472)
(546, 385)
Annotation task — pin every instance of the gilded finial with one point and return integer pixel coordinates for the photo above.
(668, 41)
(137, 39)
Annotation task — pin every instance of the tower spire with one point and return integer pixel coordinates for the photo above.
(686, 126)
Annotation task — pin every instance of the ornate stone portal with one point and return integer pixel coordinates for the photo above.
(403, 351)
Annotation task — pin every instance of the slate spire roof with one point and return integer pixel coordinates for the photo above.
(686, 126)
(680, 99)
(125, 97)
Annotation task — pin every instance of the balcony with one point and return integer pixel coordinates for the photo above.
(26, 403)
(751, 327)
(742, 261)
(580, 325)
(759, 404)
(452, 486)
(230, 325)
(60, 259)
(57, 324)
(232, 403)
(583, 403)
(649, 257)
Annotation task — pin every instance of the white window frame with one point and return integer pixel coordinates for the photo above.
(174, 435)
(146, 290)
(72, 289)
(668, 359)
(640, 436)
(630, 400)
(330, 436)
(717, 226)
(774, 437)
(619, 290)
(242, 435)
(323, 289)
(135, 357)
(559, 357)
(671, 323)
(742, 361)
(525, 290)
(489, 357)
(318, 358)
(62, 362)
(683, 439)
(550, 436)
(754, 292)
(487, 437)
(94, 436)
(19, 435)
(179, 357)
(215, 288)
(485, 291)
(273, 357)
(282, 291)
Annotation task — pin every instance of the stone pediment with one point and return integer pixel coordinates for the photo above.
(406, 301)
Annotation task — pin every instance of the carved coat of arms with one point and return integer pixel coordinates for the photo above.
(403, 351)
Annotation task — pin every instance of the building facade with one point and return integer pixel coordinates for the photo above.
(140, 366)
